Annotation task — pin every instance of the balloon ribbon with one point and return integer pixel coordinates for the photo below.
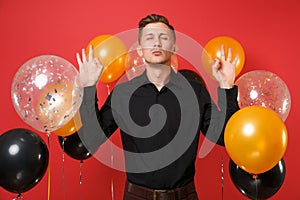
(48, 134)
(18, 197)
(222, 171)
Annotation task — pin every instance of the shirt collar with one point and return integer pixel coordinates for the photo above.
(143, 79)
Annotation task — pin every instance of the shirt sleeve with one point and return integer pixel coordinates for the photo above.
(97, 125)
(214, 118)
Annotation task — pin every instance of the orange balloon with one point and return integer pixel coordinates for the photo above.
(111, 52)
(212, 50)
(71, 127)
(255, 139)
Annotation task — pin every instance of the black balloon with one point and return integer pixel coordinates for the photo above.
(260, 186)
(191, 75)
(24, 160)
(73, 146)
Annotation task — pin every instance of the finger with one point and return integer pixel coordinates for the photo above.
(216, 64)
(83, 55)
(91, 53)
(98, 63)
(222, 52)
(229, 55)
(79, 60)
(216, 68)
(236, 59)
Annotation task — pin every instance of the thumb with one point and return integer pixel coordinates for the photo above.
(215, 69)
(216, 64)
(98, 63)
(79, 61)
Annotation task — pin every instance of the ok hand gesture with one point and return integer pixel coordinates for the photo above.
(224, 69)
(90, 68)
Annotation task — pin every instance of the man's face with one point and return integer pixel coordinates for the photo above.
(157, 44)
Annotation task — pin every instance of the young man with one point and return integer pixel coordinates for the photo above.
(160, 115)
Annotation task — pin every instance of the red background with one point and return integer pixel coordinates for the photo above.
(268, 31)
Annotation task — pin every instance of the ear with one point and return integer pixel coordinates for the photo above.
(139, 51)
(175, 49)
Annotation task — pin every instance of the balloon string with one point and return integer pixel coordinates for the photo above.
(222, 171)
(18, 197)
(63, 167)
(80, 172)
(108, 89)
(256, 186)
(112, 189)
(112, 165)
(80, 177)
(49, 183)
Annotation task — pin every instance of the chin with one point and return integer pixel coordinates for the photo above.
(158, 62)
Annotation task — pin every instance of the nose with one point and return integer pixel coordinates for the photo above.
(157, 42)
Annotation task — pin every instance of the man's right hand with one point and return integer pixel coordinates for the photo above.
(90, 68)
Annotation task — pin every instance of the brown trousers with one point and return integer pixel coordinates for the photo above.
(136, 192)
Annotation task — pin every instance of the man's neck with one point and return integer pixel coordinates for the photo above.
(158, 74)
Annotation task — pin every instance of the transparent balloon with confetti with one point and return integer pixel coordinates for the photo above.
(46, 92)
(264, 88)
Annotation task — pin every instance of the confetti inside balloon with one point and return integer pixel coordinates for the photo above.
(71, 127)
(264, 88)
(46, 92)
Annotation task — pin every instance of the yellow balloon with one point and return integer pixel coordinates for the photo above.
(255, 139)
(111, 51)
(212, 50)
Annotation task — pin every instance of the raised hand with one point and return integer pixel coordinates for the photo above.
(90, 68)
(224, 69)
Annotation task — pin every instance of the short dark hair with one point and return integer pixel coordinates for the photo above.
(154, 18)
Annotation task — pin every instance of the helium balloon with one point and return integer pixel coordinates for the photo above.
(135, 64)
(261, 186)
(46, 92)
(111, 52)
(71, 127)
(24, 160)
(73, 146)
(255, 139)
(212, 50)
(264, 88)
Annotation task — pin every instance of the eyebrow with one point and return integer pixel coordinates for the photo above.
(160, 34)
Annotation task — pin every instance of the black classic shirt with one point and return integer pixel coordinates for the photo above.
(160, 129)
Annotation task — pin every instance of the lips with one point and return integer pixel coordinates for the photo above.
(156, 52)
